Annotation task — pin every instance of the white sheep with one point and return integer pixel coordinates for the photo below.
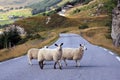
(73, 54)
(49, 55)
(33, 54)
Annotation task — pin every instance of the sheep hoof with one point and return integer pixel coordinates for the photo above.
(41, 67)
(77, 66)
(30, 64)
(60, 68)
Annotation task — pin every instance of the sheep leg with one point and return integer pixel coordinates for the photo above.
(55, 64)
(30, 61)
(41, 64)
(60, 65)
(77, 63)
(65, 62)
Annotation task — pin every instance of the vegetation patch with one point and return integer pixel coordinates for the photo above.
(83, 26)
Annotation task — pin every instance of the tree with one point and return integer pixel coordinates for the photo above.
(4, 40)
(9, 38)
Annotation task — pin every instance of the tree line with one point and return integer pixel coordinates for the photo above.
(9, 38)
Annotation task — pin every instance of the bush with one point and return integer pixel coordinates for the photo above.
(109, 24)
(34, 36)
(108, 6)
(64, 31)
(76, 11)
(108, 36)
(84, 26)
(86, 1)
(9, 38)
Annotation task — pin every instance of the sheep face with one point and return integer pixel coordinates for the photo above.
(59, 47)
(82, 47)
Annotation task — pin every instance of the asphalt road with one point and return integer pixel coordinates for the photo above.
(97, 64)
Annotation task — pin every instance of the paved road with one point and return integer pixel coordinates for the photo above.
(97, 64)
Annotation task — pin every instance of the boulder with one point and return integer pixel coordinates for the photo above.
(115, 34)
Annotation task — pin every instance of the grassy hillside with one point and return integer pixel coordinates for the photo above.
(98, 19)
(92, 8)
(43, 5)
(21, 12)
(5, 17)
(17, 3)
(97, 31)
(18, 8)
(64, 1)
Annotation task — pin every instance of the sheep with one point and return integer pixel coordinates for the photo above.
(49, 55)
(33, 54)
(73, 54)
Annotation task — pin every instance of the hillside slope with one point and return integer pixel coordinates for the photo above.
(94, 28)
(17, 3)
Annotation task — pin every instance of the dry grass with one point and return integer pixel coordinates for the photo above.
(97, 36)
(22, 49)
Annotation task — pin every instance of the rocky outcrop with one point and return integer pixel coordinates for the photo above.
(116, 25)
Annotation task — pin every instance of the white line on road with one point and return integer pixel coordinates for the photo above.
(111, 53)
(105, 49)
(118, 58)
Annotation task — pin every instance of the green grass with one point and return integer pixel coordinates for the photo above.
(96, 33)
(91, 7)
(21, 12)
(3, 22)
(43, 5)
(64, 2)
(5, 16)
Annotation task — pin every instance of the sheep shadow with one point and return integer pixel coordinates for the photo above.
(82, 67)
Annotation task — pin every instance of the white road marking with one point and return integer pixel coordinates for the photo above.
(100, 47)
(111, 53)
(118, 58)
(105, 49)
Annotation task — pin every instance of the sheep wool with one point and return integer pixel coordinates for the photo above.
(49, 55)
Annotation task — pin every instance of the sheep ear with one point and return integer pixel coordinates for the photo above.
(80, 44)
(46, 46)
(56, 45)
(61, 44)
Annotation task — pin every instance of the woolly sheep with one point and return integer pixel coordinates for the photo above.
(49, 55)
(73, 54)
(33, 54)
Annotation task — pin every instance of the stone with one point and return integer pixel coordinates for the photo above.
(115, 34)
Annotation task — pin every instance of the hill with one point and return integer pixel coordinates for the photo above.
(10, 7)
(94, 28)
(17, 3)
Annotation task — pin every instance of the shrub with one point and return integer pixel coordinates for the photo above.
(76, 11)
(64, 31)
(34, 36)
(9, 38)
(83, 26)
(86, 1)
(109, 5)
(108, 36)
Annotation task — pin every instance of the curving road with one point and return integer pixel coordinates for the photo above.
(97, 64)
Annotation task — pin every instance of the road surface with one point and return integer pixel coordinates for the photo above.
(97, 64)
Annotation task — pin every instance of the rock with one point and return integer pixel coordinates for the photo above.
(115, 34)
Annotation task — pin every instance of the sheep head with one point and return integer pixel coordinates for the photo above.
(82, 47)
(59, 47)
